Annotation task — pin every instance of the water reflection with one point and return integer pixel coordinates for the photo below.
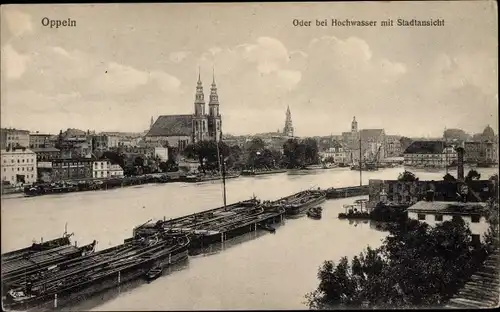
(84, 302)
(372, 224)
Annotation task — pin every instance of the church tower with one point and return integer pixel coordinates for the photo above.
(199, 102)
(354, 125)
(288, 130)
(214, 118)
(199, 119)
(152, 122)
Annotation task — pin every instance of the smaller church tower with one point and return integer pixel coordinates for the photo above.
(354, 125)
(214, 118)
(288, 130)
(151, 123)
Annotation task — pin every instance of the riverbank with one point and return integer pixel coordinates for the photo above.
(263, 256)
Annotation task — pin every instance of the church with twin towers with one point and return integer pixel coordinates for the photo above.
(182, 130)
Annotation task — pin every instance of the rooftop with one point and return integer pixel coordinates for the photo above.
(45, 149)
(172, 125)
(449, 207)
(425, 147)
(371, 133)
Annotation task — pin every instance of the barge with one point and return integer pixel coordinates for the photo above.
(97, 272)
(215, 225)
(201, 178)
(261, 172)
(37, 247)
(17, 269)
(343, 192)
(299, 203)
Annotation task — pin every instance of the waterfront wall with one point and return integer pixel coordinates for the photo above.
(408, 193)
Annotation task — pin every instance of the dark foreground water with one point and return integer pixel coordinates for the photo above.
(256, 271)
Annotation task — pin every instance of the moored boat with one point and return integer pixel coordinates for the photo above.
(254, 172)
(300, 202)
(314, 212)
(101, 271)
(37, 247)
(154, 273)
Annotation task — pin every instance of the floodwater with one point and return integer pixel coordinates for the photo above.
(256, 271)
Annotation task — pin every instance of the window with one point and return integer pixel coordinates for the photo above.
(475, 218)
(476, 239)
(438, 217)
(421, 216)
(456, 218)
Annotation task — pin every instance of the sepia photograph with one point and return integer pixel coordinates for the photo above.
(249, 156)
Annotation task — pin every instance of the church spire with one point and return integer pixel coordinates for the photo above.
(199, 102)
(214, 97)
(152, 122)
(288, 130)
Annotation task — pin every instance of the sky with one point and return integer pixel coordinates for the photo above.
(124, 63)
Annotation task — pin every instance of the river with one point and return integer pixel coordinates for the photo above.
(257, 271)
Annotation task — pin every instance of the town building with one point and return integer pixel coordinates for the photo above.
(333, 150)
(115, 171)
(46, 153)
(371, 142)
(161, 153)
(101, 168)
(181, 130)
(429, 154)
(480, 152)
(407, 193)
(108, 140)
(393, 146)
(433, 213)
(42, 140)
(75, 143)
(65, 169)
(14, 137)
(18, 166)
(488, 134)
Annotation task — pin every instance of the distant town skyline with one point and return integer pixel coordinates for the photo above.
(122, 64)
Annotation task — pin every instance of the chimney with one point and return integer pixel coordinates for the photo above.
(460, 163)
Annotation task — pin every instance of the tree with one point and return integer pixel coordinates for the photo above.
(472, 175)
(115, 158)
(329, 159)
(415, 266)
(311, 151)
(449, 177)
(407, 176)
(139, 161)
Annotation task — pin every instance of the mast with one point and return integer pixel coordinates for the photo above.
(445, 151)
(360, 164)
(222, 169)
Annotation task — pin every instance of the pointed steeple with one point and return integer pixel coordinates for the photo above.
(199, 102)
(152, 122)
(288, 129)
(214, 97)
